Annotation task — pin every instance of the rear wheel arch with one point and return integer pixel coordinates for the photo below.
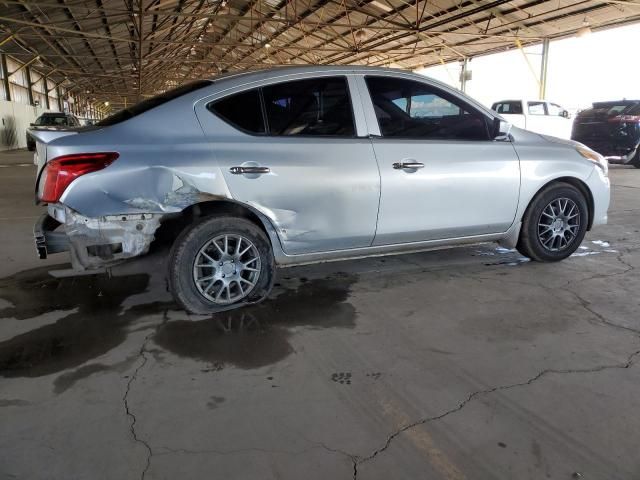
(171, 228)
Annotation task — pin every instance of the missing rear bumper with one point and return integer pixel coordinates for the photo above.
(94, 242)
(47, 239)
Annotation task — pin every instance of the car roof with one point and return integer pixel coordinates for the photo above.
(292, 69)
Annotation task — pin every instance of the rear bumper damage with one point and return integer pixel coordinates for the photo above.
(94, 242)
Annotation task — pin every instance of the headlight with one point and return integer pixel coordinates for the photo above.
(594, 157)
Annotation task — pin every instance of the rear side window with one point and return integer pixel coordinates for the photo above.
(410, 109)
(509, 108)
(153, 102)
(316, 107)
(536, 108)
(242, 111)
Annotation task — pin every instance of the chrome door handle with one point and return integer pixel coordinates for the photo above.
(408, 165)
(243, 170)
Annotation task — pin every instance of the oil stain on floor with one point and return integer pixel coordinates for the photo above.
(259, 335)
(97, 322)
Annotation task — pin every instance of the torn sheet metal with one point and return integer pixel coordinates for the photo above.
(104, 241)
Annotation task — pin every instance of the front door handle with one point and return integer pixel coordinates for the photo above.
(408, 165)
(254, 170)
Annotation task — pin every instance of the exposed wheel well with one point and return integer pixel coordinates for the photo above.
(171, 227)
(581, 186)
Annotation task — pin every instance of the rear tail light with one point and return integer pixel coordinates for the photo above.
(625, 119)
(61, 171)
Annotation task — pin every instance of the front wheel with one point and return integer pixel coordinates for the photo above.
(554, 224)
(220, 263)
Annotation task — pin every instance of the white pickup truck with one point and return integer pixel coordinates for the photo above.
(538, 116)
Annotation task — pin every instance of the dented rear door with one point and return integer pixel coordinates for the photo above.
(307, 170)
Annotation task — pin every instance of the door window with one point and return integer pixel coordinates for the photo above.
(410, 109)
(242, 110)
(555, 110)
(316, 107)
(536, 108)
(509, 108)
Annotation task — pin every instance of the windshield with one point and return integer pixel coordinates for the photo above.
(51, 120)
(153, 102)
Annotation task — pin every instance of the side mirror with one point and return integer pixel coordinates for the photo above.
(501, 129)
(565, 114)
(32, 124)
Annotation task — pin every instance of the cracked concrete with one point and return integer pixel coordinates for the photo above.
(476, 394)
(456, 364)
(130, 414)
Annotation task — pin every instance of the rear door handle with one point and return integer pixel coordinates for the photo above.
(254, 170)
(408, 165)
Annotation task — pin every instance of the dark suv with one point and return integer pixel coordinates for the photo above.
(611, 129)
(51, 121)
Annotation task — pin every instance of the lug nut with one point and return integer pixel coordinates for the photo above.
(220, 263)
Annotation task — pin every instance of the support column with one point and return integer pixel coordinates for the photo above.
(543, 69)
(60, 101)
(46, 93)
(5, 77)
(464, 74)
(29, 86)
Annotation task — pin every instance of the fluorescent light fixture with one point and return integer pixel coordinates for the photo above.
(584, 30)
(381, 6)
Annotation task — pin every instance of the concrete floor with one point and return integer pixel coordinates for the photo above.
(461, 363)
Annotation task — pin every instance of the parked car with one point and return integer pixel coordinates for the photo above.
(612, 129)
(310, 164)
(538, 116)
(50, 121)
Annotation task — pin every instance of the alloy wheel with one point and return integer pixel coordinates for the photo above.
(226, 269)
(559, 224)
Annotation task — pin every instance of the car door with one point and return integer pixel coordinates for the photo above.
(537, 117)
(441, 174)
(559, 121)
(291, 150)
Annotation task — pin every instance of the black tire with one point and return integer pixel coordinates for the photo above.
(31, 146)
(636, 159)
(185, 250)
(530, 243)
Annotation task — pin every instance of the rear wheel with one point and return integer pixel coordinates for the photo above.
(220, 263)
(554, 224)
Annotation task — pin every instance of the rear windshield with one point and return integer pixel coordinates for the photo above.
(51, 120)
(153, 102)
(613, 107)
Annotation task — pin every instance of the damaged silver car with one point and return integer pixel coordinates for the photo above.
(297, 165)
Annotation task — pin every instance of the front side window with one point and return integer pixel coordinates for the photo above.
(555, 110)
(536, 108)
(410, 109)
(51, 120)
(242, 110)
(317, 107)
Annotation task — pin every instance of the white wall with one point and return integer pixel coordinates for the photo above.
(14, 121)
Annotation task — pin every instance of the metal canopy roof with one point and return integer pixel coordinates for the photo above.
(122, 50)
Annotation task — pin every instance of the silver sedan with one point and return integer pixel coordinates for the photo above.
(246, 172)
